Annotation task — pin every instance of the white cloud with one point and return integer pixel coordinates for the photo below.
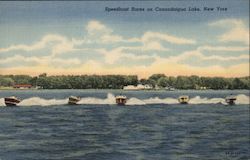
(40, 61)
(37, 45)
(58, 43)
(238, 32)
(153, 45)
(149, 36)
(100, 33)
(199, 56)
(63, 47)
(112, 56)
(18, 59)
(222, 48)
(149, 46)
(139, 57)
(109, 38)
(96, 26)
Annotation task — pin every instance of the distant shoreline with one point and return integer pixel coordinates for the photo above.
(128, 82)
(146, 90)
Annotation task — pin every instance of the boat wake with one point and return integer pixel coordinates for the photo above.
(110, 100)
(37, 101)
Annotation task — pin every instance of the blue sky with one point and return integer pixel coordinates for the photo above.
(82, 38)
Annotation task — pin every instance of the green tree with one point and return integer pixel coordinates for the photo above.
(162, 82)
(155, 77)
(238, 84)
(43, 75)
(6, 81)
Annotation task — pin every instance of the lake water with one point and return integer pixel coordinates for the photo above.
(152, 126)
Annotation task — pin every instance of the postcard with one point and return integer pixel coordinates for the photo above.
(128, 80)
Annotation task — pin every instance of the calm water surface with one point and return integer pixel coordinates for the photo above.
(155, 130)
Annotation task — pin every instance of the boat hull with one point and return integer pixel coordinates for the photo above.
(230, 101)
(183, 102)
(11, 101)
(121, 101)
(183, 99)
(73, 100)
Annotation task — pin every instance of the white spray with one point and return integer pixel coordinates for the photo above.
(110, 100)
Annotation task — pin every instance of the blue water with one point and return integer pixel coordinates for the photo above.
(104, 130)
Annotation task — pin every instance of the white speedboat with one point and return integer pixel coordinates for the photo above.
(230, 99)
(11, 101)
(183, 99)
(121, 100)
(73, 100)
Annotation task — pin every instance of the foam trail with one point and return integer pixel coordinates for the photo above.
(135, 101)
(91, 100)
(242, 99)
(2, 102)
(157, 100)
(110, 100)
(36, 101)
(199, 100)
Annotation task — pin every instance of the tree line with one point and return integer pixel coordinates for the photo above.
(119, 81)
(196, 82)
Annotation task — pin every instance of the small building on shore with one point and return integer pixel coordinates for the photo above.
(22, 86)
(138, 87)
(201, 88)
(147, 86)
(130, 87)
(170, 88)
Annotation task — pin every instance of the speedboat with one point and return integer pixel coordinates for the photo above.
(183, 99)
(230, 99)
(121, 100)
(11, 101)
(73, 100)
